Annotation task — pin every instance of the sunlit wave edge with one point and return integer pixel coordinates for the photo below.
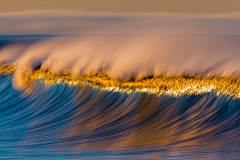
(158, 85)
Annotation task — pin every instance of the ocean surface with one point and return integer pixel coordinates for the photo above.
(61, 121)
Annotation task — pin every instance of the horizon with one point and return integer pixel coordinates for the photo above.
(124, 6)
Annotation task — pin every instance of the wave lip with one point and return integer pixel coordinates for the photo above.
(158, 85)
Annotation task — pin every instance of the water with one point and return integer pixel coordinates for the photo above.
(64, 122)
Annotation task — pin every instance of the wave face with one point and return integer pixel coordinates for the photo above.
(61, 121)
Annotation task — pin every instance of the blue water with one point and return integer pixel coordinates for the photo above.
(66, 122)
(63, 122)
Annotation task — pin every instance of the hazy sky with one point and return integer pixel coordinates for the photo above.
(187, 6)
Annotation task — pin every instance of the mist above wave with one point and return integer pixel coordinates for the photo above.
(125, 46)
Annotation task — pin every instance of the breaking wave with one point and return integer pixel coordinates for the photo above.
(121, 58)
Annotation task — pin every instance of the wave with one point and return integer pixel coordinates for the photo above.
(163, 55)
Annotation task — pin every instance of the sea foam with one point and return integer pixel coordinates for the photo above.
(124, 46)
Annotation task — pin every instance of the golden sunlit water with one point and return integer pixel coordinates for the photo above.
(158, 85)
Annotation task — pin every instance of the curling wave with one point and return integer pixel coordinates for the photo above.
(193, 56)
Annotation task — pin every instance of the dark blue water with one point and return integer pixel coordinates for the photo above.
(64, 122)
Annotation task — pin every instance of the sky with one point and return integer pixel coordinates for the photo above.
(126, 6)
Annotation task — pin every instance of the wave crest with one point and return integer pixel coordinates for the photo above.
(128, 57)
(157, 85)
(123, 46)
